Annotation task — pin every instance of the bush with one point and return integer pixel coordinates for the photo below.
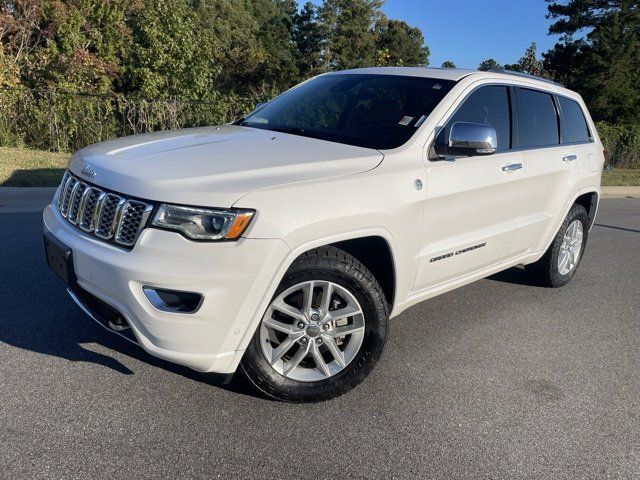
(622, 143)
(65, 122)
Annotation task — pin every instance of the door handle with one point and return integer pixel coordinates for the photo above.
(569, 158)
(511, 167)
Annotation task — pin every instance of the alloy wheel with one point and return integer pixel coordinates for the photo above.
(570, 248)
(312, 331)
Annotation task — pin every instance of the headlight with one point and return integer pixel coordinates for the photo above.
(203, 223)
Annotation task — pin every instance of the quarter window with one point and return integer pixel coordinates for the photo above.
(488, 106)
(574, 127)
(537, 119)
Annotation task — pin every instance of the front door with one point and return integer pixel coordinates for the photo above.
(472, 203)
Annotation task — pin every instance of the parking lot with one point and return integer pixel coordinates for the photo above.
(497, 379)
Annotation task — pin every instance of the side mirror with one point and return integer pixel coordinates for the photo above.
(467, 139)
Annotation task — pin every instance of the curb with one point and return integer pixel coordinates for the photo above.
(620, 192)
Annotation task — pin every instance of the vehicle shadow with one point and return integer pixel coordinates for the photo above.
(38, 315)
(514, 275)
(38, 177)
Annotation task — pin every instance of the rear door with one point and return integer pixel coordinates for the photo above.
(554, 146)
(472, 202)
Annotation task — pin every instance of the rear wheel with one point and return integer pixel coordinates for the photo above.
(560, 262)
(323, 331)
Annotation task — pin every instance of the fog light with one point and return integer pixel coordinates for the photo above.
(173, 300)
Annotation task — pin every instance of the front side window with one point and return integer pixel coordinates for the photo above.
(488, 106)
(372, 111)
(574, 127)
(537, 119)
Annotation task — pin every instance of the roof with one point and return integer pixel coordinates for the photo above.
(454, 74)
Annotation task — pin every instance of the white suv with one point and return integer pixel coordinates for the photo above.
(283, 243)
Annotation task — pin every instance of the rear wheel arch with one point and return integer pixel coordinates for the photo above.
(589, 201)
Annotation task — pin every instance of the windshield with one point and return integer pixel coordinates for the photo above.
(372, 111)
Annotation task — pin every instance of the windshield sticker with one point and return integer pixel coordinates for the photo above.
(420, 121)
(406, 120)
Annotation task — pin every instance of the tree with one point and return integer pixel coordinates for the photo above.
(399, 44)
(603, 64)
(308, 37)
(489, 65)
(528, 63)
(448, 64)
(170, 54)
(77, 45)
(348, 26)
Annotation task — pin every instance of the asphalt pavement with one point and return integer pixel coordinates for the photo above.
(499, 379)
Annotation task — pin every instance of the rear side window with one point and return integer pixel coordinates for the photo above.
(537, 119)
(489, 106)
(574, 127)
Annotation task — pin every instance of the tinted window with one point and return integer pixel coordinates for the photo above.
(374, 111)
(537, 119)
(488, 106)
(574, 128)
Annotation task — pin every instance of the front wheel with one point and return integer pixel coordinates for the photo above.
(323, 331)
(560, 262)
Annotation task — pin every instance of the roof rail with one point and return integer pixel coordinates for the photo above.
(525, 75)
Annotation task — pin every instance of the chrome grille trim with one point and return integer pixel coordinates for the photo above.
(108, 216)
(75, 202)
(66, 195)
(133, 213)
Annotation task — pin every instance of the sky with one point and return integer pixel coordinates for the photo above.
(469, 31)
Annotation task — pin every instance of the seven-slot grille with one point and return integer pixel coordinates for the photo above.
(108, 216)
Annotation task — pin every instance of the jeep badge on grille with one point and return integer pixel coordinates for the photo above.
(88, 172)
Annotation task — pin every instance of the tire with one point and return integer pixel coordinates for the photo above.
(547, 271)
(331, 273)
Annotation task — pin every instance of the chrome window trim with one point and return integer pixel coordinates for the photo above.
(514, 86)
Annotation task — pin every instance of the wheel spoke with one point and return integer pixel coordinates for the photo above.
(282, 307)
(356, 326)
(284, 347)
(345, 312)
(327, 292)
(320, 363)
(292, 364)
(332, 346)
(307, 297)
(279, 326)
(563, 261)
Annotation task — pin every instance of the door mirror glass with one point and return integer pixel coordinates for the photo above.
(467, 139)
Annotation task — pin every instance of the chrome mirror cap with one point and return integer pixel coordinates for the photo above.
(469, 139)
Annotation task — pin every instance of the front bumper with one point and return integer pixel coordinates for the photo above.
(234, 279)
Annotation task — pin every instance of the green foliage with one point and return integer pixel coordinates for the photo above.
(448, 64)
(399, 44)
(603, 64)
(489, 65)
(81, 71)
(529, 63)
(622, 143)
(348, 27)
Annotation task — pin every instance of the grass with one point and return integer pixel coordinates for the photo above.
(22, 167)
(626, 177)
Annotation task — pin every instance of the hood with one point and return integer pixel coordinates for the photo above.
(215, 166)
